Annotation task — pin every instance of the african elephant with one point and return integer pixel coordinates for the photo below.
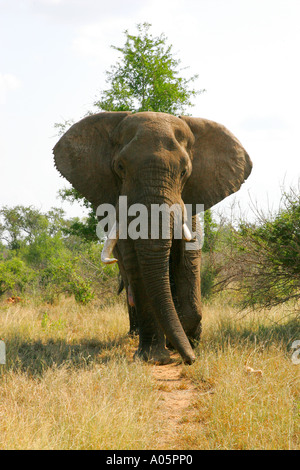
(155, 158)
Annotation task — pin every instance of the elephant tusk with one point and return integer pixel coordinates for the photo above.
(186, 233)
(109, 245)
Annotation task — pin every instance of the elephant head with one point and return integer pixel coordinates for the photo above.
(152, 158)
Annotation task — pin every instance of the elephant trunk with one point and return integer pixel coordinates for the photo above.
(154, 266)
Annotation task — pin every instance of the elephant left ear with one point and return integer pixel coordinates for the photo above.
(220, 163)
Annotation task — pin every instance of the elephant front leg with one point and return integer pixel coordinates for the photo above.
(185, 271)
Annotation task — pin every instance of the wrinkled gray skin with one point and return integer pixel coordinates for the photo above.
(155, 158)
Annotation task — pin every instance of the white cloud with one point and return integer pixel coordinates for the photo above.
(8, 82)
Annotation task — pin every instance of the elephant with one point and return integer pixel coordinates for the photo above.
(155, 158)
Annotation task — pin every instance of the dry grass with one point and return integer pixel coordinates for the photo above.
(70, 382)
(236, 409)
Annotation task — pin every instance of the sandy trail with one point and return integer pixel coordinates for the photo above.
(177, 396)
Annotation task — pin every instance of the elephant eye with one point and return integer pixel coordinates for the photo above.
(183, 173)
(119, 168)
(179, 135)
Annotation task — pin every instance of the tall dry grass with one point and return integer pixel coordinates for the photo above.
(70, 382)
(235, 408)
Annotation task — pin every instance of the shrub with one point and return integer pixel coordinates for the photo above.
(263, 262)
(14, 276)
(210, 261)
(41, 258)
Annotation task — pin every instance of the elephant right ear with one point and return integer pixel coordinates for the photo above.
(83, 157)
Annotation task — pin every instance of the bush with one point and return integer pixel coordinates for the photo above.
(15, 275)
(210, 261)
(43, 259)
(208, 278)
(263, 262)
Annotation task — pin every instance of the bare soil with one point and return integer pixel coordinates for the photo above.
(176, 403)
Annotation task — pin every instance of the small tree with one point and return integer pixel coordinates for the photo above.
(147, 77)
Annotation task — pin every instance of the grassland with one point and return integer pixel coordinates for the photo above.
(70, 382)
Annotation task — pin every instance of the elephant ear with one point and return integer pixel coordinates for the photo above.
(83, 157)
(220, 163)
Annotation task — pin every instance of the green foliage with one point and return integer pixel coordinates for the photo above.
(261, 260)
(41, 256)
(270, 250)
(147, 77)
(85, 228)
(209, 269)
(14, 275)
(62, 275)
(42, 249)
(208, 276)
(47, 323)
(21, 226)
(210, 232)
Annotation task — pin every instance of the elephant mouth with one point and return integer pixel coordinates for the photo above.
(113, 237)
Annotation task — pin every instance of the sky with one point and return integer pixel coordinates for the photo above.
(54, 54)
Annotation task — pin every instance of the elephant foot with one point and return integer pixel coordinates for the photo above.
(154, 355)
(133, 332)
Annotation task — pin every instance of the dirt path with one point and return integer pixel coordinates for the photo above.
(177, 396)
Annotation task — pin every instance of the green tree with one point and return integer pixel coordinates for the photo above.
(146, 78)
(84, 228)
(20, 225)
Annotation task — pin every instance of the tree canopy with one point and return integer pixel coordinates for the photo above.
(146, 77)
